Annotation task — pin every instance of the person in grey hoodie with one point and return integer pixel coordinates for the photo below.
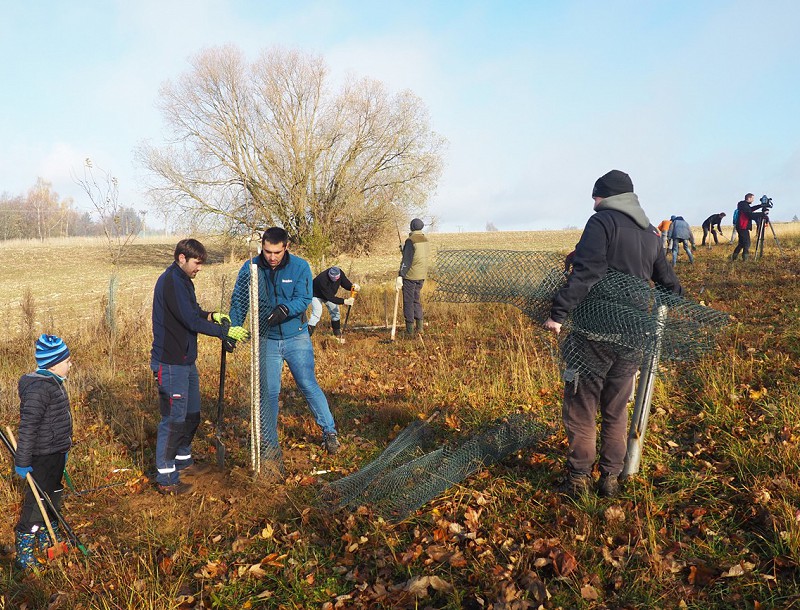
(681, 233)
(618, 236)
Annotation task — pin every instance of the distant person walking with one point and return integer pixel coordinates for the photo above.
(326, 285)
(709, 224)
(681, 233)
(412, 274)
(618, 237)
(744, 223)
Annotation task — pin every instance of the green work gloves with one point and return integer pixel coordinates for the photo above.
(219, 316)
(238, 333)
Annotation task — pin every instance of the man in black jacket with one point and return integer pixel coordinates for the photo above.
(618, 236)
(715, 220)
(177, 319)
(744, 223)
(326, 285)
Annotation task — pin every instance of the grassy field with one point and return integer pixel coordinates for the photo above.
(712, 521)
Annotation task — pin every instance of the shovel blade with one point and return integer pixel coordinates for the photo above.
(56, 550)
(220, 452)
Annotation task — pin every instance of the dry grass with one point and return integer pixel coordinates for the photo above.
(718, 490)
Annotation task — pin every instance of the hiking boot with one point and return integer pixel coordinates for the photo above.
(609, 486)
(331, 443)
(178, 489)
(190, 470)
(575, 485)
(24, 543)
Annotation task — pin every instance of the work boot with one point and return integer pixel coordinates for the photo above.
(409, 329)
(419, 325)
(608, 486)
(575, 485)
(331, 443)
(311, 330)
(178, 489)
(24, 543)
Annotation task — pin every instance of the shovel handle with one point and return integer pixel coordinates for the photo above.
(35, 492)
(394, 318)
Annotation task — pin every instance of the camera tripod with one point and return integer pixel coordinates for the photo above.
(761, 222)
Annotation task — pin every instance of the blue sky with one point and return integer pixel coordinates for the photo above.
(696, 100)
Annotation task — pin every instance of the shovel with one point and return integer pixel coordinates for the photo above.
(56, 548)
(228, 345)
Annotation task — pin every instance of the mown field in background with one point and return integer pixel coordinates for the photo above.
(713, 520)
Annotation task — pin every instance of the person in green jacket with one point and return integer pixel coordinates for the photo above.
(412, 274)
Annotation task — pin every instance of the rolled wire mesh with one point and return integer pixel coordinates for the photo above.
(618, 315)
(403, 478)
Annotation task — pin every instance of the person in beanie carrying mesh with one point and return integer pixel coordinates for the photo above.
(618, 236)
(326, 285)
(43, 442)
(412, 274)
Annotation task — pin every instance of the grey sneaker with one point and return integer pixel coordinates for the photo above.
(609, 486)
(331, 443)
(575, 485)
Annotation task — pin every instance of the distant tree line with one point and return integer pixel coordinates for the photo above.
(42, 214)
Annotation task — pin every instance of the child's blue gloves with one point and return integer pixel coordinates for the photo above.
(22, 472)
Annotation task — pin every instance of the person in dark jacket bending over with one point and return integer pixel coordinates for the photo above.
(618, 236)
(284, 293)
(715, 220)
(412, 274)
(744, 224)
(43, 442)
(177, 319)
(326, 285)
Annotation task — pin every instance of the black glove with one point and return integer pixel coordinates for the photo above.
(277, 315)
(228, 342)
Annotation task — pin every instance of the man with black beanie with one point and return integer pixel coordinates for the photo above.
(618, 236)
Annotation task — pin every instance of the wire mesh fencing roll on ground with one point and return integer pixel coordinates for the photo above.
(619, 314)
(404, 477)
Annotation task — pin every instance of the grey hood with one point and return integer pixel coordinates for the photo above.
(628, 204)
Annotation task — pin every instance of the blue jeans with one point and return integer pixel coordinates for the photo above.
(316, 311)
(179, 403)
(675, 245)
(298, 353)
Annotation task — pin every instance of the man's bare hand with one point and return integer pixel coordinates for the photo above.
(552, 325)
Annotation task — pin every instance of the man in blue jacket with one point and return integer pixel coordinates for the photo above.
(177, 319)
(284, 293)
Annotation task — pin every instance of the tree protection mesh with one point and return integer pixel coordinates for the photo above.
(404, 477)
(619, 314)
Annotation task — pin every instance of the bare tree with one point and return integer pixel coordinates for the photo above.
(120, 224)
(267, 143)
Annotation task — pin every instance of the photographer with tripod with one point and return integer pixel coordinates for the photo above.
(744, 223)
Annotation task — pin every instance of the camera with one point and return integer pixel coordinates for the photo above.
(766, 202)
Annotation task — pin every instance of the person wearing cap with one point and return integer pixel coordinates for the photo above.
(326, 285)
(618, 236)
(43, 442)
(412, 275)
(709, 224)
(680, 233)
(177, 320)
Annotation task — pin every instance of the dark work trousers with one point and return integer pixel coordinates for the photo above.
(706, 230)
(744, 244)
(609, 390)
(179, 403)
(48, 472)
(412, 306)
